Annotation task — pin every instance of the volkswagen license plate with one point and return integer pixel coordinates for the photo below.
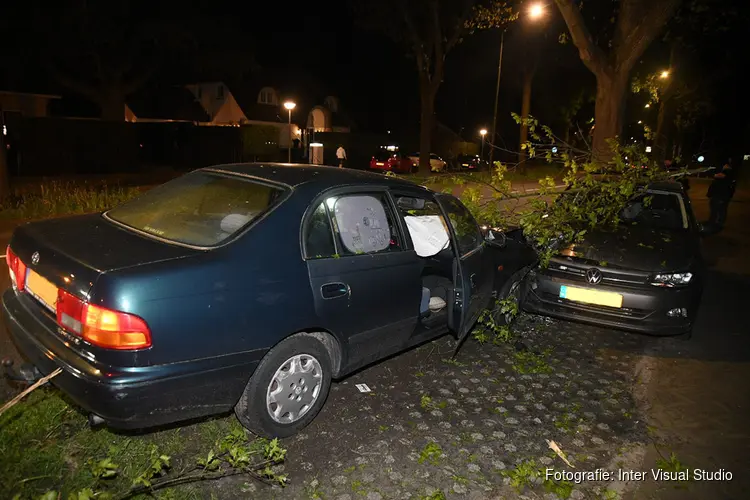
(589, 296)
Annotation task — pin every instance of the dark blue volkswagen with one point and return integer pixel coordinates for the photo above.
(247, 287)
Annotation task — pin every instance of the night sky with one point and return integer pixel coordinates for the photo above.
(370, 73)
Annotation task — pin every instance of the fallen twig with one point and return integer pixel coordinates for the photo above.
(554, 447)
(36, 384)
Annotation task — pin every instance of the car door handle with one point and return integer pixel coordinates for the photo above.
(334, 290)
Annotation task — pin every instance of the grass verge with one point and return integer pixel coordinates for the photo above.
(45, 444)
(54, 198)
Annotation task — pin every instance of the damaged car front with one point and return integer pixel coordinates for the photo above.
(644, 276)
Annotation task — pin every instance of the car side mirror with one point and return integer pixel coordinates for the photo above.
(495, 237)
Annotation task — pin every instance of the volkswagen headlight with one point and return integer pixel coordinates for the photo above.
(671, 279)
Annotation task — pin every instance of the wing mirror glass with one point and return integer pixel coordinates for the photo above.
(495, 237)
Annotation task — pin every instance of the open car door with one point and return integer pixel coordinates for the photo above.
(472, 268)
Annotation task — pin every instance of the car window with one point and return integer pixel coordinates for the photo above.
(426, 225)
(383, 155)
(201, 208)
(656, 210)
(318, 235)
(364, 224)
(467, 231)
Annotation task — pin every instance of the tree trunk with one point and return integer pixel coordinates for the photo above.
(611, 91)
(661, 147)
(112, 104)
(525, 110)
(426, 127)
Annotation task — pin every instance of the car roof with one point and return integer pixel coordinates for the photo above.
(295, 175)
(672, 186)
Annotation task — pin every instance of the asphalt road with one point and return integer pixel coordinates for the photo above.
(697, 393)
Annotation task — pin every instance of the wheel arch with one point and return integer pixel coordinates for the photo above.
(331, 343)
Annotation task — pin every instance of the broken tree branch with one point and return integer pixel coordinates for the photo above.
(36, 384)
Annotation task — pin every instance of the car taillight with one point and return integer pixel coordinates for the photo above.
(100, 326)
(17, 269)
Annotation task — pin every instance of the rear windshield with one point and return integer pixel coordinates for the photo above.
(656, 210)
(383, 155)
(200, 208)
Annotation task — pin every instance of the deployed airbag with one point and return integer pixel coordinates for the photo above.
(428, 233)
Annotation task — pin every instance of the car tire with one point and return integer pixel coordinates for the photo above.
(514, 287)
(255, 407)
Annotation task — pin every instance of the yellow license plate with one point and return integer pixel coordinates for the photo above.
(588, 296)
(42, 289)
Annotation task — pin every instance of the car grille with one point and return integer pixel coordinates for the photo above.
(575, 270)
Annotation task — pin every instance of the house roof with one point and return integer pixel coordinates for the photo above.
(291, 84)
(247, 100)
(167, 103)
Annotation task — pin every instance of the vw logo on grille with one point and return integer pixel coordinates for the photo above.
(35, 258)
(593, 276)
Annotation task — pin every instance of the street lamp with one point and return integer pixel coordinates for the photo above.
(664, 74)
(535, 12)
(482, 132)
(289, 105)
(647, 106)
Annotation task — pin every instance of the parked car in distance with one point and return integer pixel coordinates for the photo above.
(437, 164)
(392, 161)
(247, 287)
(471, 163)
(645, 276)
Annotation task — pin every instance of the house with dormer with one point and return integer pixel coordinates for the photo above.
(263, 104)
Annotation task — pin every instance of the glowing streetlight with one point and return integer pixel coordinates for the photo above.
(647, 106)
(639, 122)
(289, 105)
(482, 132)
(664, 74)
(536, 11)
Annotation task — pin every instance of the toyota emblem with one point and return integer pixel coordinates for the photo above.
(593, 276)
(35, 258)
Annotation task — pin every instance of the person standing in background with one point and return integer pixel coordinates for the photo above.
(719, 194)
(341, 155)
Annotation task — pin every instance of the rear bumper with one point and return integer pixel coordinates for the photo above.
(644, 309)
(130, 397)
